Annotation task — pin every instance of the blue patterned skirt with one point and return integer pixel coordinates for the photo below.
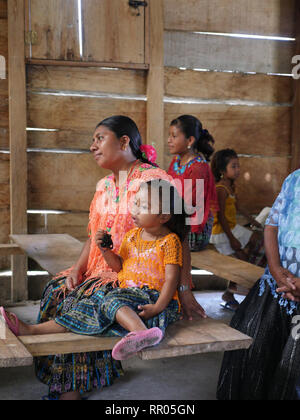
(93, 315)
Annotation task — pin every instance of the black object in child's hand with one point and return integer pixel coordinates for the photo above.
(107, 241)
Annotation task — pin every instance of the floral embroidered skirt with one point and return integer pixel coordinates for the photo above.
(270, 368)
(91, 315)
(199, 241)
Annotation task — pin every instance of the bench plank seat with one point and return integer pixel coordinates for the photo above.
(229, 268)
(51, 344)
(197, 336)
(182, 338)
(12, 352)
(55, 253)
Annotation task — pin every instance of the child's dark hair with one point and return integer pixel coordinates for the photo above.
(192, 127)
(125, 126)
(220, 161)
(171, 201)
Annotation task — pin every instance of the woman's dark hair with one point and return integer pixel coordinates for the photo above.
(192, 127)
(220, 161)
(125, 126)
(171, 203)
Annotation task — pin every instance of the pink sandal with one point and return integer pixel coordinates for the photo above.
(14, 328)
(135, 342)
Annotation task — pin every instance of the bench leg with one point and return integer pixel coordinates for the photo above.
(19, 281)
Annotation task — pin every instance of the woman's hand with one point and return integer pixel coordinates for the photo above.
(148, 311)
(284, 278)
(74, 279)
(290, 290)
(190, 307)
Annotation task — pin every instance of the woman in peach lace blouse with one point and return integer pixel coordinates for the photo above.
(117, 147)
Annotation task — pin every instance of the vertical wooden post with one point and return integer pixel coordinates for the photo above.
(296, 103)
(18, 141)
(155, 86)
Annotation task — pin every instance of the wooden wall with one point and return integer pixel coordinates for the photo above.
(72, 101)
(250, 113)
(4, 157)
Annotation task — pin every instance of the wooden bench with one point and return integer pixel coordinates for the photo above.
(55, 253)
(229, 268)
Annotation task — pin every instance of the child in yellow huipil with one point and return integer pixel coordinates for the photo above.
(228, 237)
(148, 264)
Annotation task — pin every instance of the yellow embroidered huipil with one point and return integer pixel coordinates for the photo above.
(144, 261)
(230, 213)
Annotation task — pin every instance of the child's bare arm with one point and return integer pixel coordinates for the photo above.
(113, 260)
(172, 277)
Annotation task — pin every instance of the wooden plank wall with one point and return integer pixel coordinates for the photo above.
(4, 141)
(248, 112)
(72, 101)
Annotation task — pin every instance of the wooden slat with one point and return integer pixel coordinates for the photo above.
(227, 86)
(182, 338)
(202, 336)
(88, 111)
(3, 38)
(3, 9)
(73, 224)
(86, 64)
(269, 127)
(260, 181)
(155, 83)
(10, 249)
(56, 24)
(268, 17)
(192, 50)
(62, 181)
(54, 253)
(51, 344)
(89, 79)
(229, 268)
(113, 32)
(60, 139)
(12, 352)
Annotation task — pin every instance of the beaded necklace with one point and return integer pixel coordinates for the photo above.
(179, 170)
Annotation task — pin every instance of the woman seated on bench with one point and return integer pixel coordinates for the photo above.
(116, 147)
(148, 264)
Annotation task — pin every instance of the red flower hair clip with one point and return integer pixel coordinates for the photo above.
(149, 152)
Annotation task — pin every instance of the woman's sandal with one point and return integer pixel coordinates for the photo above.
(13, 327)
(135, 342)
(232, 305)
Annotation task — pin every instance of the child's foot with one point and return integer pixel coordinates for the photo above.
(135, 342)
(16, 326)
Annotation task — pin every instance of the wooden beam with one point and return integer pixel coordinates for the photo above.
(155, 83)
(10, 249)
(296, 103)
(78, 64)
(18, 143)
